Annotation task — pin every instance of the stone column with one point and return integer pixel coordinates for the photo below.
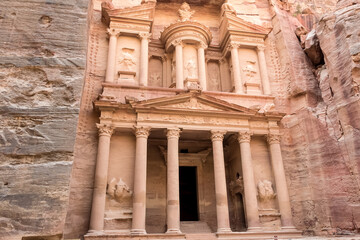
(251, 203)
(173, 199)
(164, 70)
(144, 58)
(263, 70)
(110, 67)
(222, 210)
(179, 64)
(201, 65)
(139, 195)
(100, 183)
(236, 68)
(168, 71)
(280, 181)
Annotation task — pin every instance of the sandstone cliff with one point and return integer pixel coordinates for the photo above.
(42, 63)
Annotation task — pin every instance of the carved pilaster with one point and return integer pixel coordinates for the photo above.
(173, 133)
(244, 136)
(273, 138)
(142, 132)
(217, 135)
(105, 130)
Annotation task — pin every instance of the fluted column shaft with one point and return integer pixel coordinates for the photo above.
(280, 181)
(100, 183)
(263, 70)
(251, 204)
(236, 68)
(179, 65)
(173, 199)
(139, 195)
(201, 65)
(222, 209)
(144, 58)
(110, 67)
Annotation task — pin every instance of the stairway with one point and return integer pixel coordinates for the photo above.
(194, 227)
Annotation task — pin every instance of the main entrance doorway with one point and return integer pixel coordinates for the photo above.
(188, 194)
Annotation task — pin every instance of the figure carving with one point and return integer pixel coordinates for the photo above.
(155, 79)
(127, 59)
(185, 13)
(118, 190)
(228, 7)
(250, 70)
(191, 69)
(267, 108)
(265, 190)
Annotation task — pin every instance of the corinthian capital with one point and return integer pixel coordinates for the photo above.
(173, 133)
(261, 48)
(233, 45)
(217, 135)
(177, 42)
(105, 130)
(142, 131)
(113, 32)
(244, 136)
(273, 138)
(144, 35)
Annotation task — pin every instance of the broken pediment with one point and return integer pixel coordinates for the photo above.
(192, 101)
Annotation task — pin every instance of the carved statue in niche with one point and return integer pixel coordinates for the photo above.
(250, 71)
(191, 69)
(155, 79)
(213, 76)
(127, 59)
(265, 190)
(118, 190)
(185, 13)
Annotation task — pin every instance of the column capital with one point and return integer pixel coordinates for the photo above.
(273, 138)
(177, 42)
(217, 135)
(113, 32)
(142, 131)
(144, 35)
(234, 45)
(201, 45)
(244, 136)
(105, 130)
(173, 133)
(260, 48)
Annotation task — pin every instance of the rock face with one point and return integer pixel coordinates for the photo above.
(321, 133)
(42, 49)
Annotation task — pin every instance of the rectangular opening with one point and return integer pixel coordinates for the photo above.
(188, 194)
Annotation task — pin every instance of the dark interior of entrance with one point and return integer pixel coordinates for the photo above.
(188, 194)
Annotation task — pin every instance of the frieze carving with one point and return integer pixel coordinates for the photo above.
(105, 130)
(127, 59)
(244, 137)
(173, 133)
(193, 104)
(265, 190)
(273, 138)
(217, 135)
(142, 131)
(185, 12)
(118, 190)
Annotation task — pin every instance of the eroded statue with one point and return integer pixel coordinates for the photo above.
(265, 190)
(118, 190)
(185, 13)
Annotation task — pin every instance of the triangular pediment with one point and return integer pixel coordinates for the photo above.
(238, 24)
(193, 102)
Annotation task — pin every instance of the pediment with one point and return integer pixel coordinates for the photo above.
(238, 24)
(192, 102)
(145, 11)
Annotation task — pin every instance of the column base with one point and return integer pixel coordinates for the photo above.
(223, 230)
(137, 232)
(95, 232)
(254, 229)
(288, 228)
(173, 231)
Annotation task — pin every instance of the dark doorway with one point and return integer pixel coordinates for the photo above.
(240, 213)
(188, 194)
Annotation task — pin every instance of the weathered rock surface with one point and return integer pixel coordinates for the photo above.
(312, 48)
(42, 62)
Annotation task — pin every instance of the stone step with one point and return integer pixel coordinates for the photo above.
(194, 227)
(200, 236)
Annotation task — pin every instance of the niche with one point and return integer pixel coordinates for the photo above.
(155, 72)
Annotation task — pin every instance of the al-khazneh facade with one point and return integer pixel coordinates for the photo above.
(182, 149)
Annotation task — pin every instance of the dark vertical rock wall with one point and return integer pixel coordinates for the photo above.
(42, 65)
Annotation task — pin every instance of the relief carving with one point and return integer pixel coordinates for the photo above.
(118, 190)
(228, 7)
(250, 71)
(185, 13)
(155, 79)
(191, 69)
(265, 190)
(193, 104)
(127, 59)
